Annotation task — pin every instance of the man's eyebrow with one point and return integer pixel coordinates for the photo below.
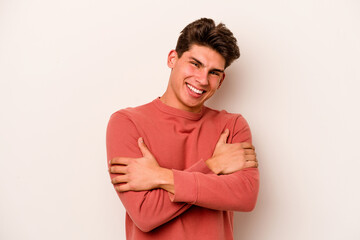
(201, 64)
(197, 61)
(217, 70)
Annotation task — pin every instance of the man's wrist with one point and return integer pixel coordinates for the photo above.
(166, 180)
(213, 165)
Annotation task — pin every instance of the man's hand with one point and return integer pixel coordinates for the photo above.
(228, 158)
(140, 174)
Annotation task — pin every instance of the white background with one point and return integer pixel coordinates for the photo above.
(65, 66)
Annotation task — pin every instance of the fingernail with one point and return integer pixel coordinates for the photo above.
(141, 140)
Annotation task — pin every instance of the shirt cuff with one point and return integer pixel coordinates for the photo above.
(185, 184)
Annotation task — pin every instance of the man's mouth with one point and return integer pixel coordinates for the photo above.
(195, 90)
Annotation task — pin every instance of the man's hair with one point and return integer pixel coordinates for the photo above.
(204, 32)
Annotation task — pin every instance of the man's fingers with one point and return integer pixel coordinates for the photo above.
(249, 151)
(119, 160)
(250, 158)
(123, 188)
(247, 145)
(251, 164)
(143, 148)
(119, 179)
(224, 136)
(118, 169)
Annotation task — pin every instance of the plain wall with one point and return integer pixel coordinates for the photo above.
(65, 66)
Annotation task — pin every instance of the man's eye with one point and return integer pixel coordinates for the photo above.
(195, 64)
(214, 73)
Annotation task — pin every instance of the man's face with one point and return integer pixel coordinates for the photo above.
(194, 77)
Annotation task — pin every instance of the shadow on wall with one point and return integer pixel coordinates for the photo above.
(231, 93)
(244, 225)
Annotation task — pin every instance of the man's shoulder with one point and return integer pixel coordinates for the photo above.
(221, 114)
(226, 119)
(130, 118)
(131, 112)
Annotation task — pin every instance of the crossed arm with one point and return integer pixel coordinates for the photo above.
(141, 174)
(153, 195)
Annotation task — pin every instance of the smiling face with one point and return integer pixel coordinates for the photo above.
(194, 78)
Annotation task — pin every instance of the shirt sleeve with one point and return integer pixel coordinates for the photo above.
(147, 209)
(236, 192)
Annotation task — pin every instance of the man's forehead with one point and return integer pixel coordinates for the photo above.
(205, 55)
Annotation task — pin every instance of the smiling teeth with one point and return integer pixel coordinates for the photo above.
(194, 89)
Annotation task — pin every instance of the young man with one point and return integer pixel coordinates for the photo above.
(179, 167)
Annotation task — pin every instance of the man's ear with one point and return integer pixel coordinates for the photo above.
(172, 58)
(221, 80)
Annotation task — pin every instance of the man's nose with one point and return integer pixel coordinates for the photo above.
(202, 77)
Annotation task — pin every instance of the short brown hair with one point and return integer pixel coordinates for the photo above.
(204, 32)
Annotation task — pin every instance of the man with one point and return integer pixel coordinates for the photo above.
(179, 167)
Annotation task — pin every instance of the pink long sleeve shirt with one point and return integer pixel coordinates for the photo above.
(203, 204)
